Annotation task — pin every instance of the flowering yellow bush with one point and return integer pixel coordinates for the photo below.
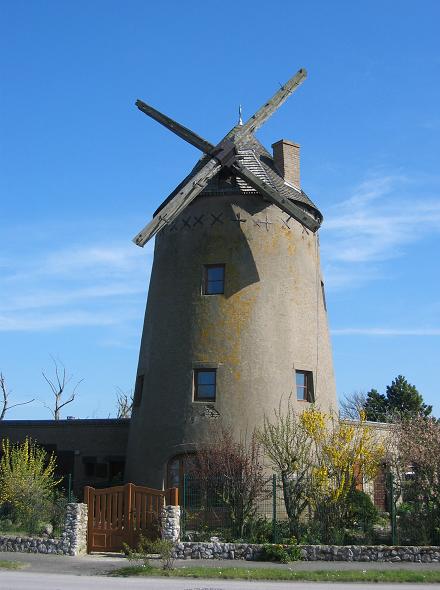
(344, 452)
(27, 479)
(320, 460)
(314, 423)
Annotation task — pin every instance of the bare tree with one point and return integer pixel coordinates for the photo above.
(58, 384)
(124, 403)
(352, 404)
(289, 449)
(233, 471)
(6, 392)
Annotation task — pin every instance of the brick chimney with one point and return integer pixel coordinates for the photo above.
(286, 160)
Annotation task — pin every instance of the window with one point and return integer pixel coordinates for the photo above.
(214, 279)
(116, 467)
(101, 470)
(177, 467)
(205, 385)
(94, 469)
(304, 386)
(89, 466)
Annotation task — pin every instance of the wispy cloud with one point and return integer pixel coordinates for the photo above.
(48, 298)
(50, 321)
(88, 285)
(376, 223)
(386, 332)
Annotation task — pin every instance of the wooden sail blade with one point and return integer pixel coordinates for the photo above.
(187, 193)
(175, 127)
(301, 215)
(271, 105)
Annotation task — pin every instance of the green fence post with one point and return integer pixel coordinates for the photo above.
(274, 509)
(392, 508)
(69, 488)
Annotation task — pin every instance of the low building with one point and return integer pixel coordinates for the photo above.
(92, 451)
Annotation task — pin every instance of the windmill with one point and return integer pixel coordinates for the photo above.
(236, 320)
(224, 154)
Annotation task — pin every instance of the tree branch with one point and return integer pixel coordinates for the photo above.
(5, 407)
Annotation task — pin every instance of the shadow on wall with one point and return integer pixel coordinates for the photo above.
(242, 263)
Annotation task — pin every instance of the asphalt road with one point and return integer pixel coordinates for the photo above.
(10, 580)
(101, 564)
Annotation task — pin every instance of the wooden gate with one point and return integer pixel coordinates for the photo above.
(120, 514)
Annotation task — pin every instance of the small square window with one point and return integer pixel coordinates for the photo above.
(101, 470)
(304, 386)
(214, 279)
(205, 385)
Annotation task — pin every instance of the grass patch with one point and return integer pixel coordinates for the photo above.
(242, 573)
(10, 565)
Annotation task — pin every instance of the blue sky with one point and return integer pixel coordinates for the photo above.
(82, 170)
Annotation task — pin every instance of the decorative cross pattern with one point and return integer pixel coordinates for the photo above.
(266, 223)
(216, 218)
(186, 222)
(198, 220)
(173, 226)
(238, 218)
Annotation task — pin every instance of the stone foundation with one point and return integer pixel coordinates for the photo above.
(73, 540)
(250, 552)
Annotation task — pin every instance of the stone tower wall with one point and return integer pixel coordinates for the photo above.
(270, 322)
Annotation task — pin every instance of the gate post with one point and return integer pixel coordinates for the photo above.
(172, 496)
(128, 517)
(90, 511)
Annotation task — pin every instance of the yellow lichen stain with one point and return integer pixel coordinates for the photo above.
(291, 246)
(222, 322)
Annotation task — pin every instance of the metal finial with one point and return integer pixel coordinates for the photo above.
(240, 119)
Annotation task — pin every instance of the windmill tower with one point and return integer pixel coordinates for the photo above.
(236, 319)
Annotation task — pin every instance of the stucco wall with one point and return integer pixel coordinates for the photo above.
(270, 322)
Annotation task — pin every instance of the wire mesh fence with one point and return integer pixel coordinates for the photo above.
(210, 510)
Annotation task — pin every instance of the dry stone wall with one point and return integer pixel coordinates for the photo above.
(250, 552)
(73, 540)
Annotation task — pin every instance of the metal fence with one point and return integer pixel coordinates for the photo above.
(210, 510)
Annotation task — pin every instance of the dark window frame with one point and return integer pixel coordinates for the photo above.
(308, 393)
(207, 283)
(197, 397)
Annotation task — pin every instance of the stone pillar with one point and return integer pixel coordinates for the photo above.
(170, 523)
(75, 529)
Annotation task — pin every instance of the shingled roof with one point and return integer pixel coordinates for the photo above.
(258, 160)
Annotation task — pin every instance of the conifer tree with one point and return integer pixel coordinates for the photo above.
(402, 401)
